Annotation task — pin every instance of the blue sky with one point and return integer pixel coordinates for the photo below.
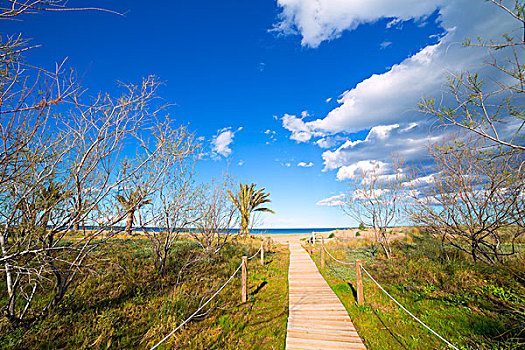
(332, 85)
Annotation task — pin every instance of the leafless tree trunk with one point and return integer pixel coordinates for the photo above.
(80, 154)
(216, 216)
(374, 200)
(473, 199)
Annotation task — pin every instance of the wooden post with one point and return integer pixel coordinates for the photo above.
(322, 252)
(244, 285)
(360, 296)
(310, 246)
(262, 253)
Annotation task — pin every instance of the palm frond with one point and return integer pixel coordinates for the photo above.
(248, 200)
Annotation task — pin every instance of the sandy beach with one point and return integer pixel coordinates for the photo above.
(343, 234)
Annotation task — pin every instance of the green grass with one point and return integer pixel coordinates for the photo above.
(473, 306)
(127, 305)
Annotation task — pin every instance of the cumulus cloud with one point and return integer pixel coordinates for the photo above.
(350, 172)
(386, 104)
(421, 181)
(221, 142)
(305, 165)
(333, 201)
(327, 142)
(371, 194)
(408, 141)
(300, 131)
(317, 21)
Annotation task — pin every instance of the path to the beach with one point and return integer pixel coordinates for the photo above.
(317, 319)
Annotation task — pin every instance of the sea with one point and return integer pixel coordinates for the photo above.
(271, 231)
(280, 231)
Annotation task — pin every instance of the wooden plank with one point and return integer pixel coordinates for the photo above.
(317, 319)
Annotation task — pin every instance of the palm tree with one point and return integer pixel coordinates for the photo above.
(248, 200)
(132, 202)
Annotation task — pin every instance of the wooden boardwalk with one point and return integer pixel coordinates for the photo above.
(317, 319)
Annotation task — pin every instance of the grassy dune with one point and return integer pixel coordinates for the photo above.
(125, 304)
(472, 306)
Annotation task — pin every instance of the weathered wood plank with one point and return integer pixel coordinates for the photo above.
(317, 319)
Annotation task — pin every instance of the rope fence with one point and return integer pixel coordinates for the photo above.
(408, 312)
(243, 266)
(339, 261)
(360, 293)
(256, 253)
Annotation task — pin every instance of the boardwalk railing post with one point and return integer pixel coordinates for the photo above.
(262, 253)
(360, 296)
(244, 286)
(322, 252)
(310, 246)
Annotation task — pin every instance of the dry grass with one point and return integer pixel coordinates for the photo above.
(127, 305)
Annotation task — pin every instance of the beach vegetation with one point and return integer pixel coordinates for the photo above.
(472, 305)
(126, 304)
(247, 201)
(374, 200)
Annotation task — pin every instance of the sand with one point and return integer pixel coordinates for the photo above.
(346, 234)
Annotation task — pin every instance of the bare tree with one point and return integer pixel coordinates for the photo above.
(216, 215)
(63, 158)
(473, 200)
(12, 9)
(77, 156)
(491, 109)
(374, 200)
(173, 208)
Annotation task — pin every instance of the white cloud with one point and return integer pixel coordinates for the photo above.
(328, 99)
(241, 163)
(305, 165)
(371, 194)
(407, 141)
(350, 172)
(327, 142)
(333, 201)
(421, 181)
(222, 141)
(385, 44)
(300, 132)
(271, 134)
(318, 21)
(386, 104)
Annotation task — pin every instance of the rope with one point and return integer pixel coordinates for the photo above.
(339, 261)
(408, 312)
(254, 255)
(199, 309)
